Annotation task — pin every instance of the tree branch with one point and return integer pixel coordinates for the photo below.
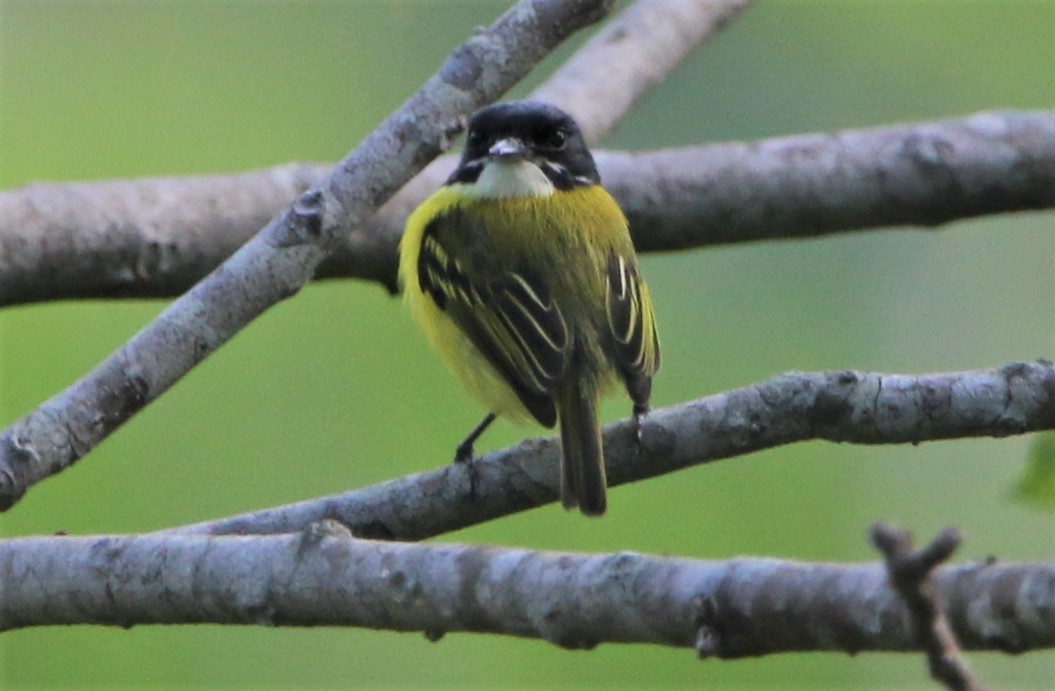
(921, 174)
(283, 256)
(636, 51)
(854, 407)
(147, 238)
(323, 576)
(155, 237)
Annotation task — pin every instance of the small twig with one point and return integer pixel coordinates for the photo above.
(911, 575)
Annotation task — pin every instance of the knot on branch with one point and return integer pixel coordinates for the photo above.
(465, 65)
(305, 220)
(1023, 394)
(708, 629)
(318, 531)
(10, 490)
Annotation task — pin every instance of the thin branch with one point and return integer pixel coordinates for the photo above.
(155, 237)
(855, 407)
(636, 51)
(911, 572)
(283, 256)
(325, 577)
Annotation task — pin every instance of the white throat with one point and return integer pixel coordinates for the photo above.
(504, 179)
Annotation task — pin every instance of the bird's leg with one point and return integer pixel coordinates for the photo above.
(464, 452)
(640, 410)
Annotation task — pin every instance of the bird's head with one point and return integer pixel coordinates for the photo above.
(510, 135)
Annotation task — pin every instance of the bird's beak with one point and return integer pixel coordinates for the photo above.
(508, 148)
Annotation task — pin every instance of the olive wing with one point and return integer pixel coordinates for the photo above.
(633, 326)
(510, 316)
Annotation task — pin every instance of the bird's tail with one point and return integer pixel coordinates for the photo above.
(582, 464)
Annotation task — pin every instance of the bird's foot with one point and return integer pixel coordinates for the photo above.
(464, 453)
(464, 456)
(639, 412)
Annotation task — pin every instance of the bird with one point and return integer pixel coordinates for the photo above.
(522, 273)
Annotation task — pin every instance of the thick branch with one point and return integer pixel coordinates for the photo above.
(155, 237)
(325, 577)
(853, 407)
(280, 259)
(922, 174)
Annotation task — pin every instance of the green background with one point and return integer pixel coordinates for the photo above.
(336, 389)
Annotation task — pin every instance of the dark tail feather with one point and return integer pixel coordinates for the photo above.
(582, 466)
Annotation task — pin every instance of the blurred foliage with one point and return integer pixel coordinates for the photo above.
(336, 389)
(1037, 483)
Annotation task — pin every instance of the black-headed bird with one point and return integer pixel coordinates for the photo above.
(521, 271)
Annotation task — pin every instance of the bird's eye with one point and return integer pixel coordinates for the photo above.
(475, 138)
(555, 139)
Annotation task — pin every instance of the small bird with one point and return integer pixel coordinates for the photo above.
(521, 272)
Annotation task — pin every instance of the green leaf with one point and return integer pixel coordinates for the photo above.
(1036, 485)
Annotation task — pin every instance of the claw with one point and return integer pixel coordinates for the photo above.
(464, 456)
(464, 453)
(639, 412)
(474, 477)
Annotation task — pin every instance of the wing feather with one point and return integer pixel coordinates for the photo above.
(633, 326)
(509, 316)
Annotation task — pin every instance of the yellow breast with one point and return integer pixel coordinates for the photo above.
(566, 234)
